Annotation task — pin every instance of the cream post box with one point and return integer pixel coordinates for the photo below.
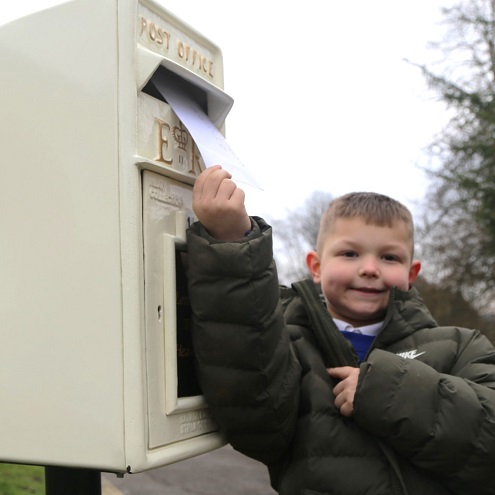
(95, 194)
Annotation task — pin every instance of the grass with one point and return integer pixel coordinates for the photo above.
(17, 479)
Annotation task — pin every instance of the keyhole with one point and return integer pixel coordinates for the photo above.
(160, 312)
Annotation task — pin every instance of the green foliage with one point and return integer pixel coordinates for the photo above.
(16, 479)
(458, 229)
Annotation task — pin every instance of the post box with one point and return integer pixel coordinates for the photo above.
(96, 365)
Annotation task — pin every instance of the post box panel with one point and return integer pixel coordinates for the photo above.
(61, 366)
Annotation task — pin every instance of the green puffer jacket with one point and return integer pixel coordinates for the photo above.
(424, 410)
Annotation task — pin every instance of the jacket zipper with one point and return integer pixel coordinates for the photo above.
(399, 487)
(388, 317)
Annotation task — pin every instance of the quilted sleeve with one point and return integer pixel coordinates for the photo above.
(245, 365)
(444, 423)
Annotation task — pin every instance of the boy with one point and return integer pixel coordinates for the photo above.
(413, 414)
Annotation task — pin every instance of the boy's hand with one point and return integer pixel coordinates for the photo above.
(219, 205)
(345, 390)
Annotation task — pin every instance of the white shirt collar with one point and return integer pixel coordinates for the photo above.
(371, 330)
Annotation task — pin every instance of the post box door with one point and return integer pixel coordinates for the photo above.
(176, 408)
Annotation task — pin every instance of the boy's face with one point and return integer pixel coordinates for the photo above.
(359, 264)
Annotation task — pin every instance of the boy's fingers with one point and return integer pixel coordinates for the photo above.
(341, 373)
(226, 188)
(238, 195)
(203, 177)
(210, 180)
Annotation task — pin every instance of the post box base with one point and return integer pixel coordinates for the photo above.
(62, 480)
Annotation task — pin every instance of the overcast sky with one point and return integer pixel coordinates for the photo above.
(324, 99)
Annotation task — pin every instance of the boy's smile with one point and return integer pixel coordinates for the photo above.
(359, 264)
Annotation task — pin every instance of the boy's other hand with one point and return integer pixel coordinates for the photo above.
(219, 205)
(345, 390)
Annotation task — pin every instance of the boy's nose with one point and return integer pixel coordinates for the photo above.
(369, 267)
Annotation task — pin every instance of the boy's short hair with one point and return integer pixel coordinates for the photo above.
(375, 209)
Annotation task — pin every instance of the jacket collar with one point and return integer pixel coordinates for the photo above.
(406, 314)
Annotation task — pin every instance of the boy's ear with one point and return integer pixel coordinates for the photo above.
(313, 262)
(414, 271)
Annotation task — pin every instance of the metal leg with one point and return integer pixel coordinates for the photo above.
(72, 481)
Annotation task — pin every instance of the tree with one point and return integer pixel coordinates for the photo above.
(296, 234)
(458, 228)
(450, 308)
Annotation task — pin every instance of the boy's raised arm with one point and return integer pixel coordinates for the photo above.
(244, 362)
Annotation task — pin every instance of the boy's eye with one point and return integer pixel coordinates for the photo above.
(390, 257)
(349, 254)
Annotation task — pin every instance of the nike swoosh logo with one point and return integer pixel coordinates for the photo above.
(410, 354)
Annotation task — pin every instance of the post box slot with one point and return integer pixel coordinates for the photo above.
(198, 94)
(212, 100)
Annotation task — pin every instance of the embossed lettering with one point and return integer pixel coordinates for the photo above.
(194, 58)
(201, 421)
(162, 142)
(195, 163)
(155, 33)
